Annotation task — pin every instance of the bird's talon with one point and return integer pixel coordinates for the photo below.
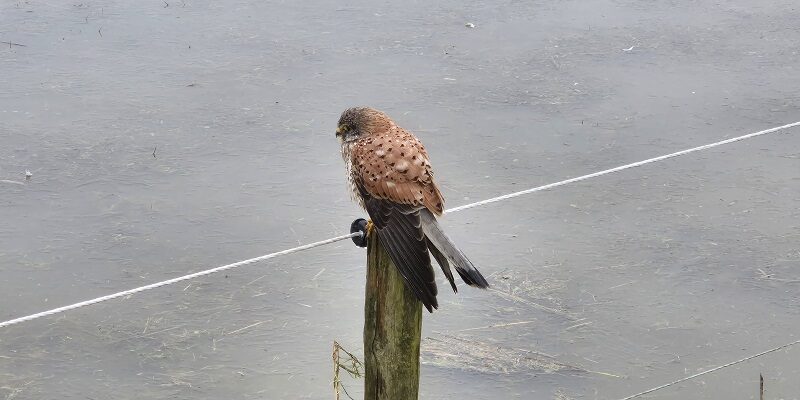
(370, 227)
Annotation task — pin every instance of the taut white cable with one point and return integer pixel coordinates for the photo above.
(787, 345)
(343, 237)
(176, 280)
(622, 167)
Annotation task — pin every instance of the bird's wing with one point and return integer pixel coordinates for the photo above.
(394, 179)
(394, 166)
(400, 233)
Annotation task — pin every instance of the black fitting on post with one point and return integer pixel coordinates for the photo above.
(359, 225)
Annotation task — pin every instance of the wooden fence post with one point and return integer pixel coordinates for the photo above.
(392, 329)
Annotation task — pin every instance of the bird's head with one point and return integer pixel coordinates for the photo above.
(359, 122)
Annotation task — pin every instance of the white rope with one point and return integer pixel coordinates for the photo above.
(622, 167)
(176, 280)
(343, 237)
(711, 370)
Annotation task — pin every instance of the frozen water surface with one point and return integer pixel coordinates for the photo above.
(168, 137)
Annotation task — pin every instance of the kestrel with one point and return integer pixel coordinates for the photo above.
(391, 177)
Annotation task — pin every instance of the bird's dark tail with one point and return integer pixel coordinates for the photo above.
(445, 247)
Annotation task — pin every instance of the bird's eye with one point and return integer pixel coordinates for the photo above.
(343, 128)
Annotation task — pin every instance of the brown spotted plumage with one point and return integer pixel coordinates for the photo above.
(391, 177)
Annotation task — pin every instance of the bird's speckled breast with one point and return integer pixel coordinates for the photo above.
(352, 174)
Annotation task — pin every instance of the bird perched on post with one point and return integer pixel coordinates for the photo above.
(391, 177)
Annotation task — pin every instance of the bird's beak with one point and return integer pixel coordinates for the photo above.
(340, 134)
